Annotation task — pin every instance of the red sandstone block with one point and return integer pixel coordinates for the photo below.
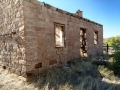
(38, 65)
(41, 46)
(44, 54)
(28, 62)
(30, 33)
(45, 63)
(51, 62)
(29, 68)
(40, 57)
(30, 56)
(58, 52)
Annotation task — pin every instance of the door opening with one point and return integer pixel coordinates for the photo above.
(83, 43)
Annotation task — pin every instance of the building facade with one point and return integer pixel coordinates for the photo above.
(35, 35)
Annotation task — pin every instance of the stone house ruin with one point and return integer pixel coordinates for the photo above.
(35, 35)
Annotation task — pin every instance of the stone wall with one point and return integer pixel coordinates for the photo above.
(40, 19)
(27, 35)
(12, 50)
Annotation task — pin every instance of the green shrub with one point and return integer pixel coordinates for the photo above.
(116, 62)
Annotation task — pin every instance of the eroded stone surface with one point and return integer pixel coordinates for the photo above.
(12, 50)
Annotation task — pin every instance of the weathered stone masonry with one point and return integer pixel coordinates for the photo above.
(12, 49)
(28, 36)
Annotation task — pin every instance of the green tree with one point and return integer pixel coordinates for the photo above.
(114, 42)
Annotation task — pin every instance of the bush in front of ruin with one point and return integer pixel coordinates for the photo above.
(116, 62)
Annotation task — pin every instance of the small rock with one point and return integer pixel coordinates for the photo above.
(100, 62)
(79, 71)
(111, 87)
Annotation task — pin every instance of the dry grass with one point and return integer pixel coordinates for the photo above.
(64, 78)
(10, 81)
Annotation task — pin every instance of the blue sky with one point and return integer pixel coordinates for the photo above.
(105, 12)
